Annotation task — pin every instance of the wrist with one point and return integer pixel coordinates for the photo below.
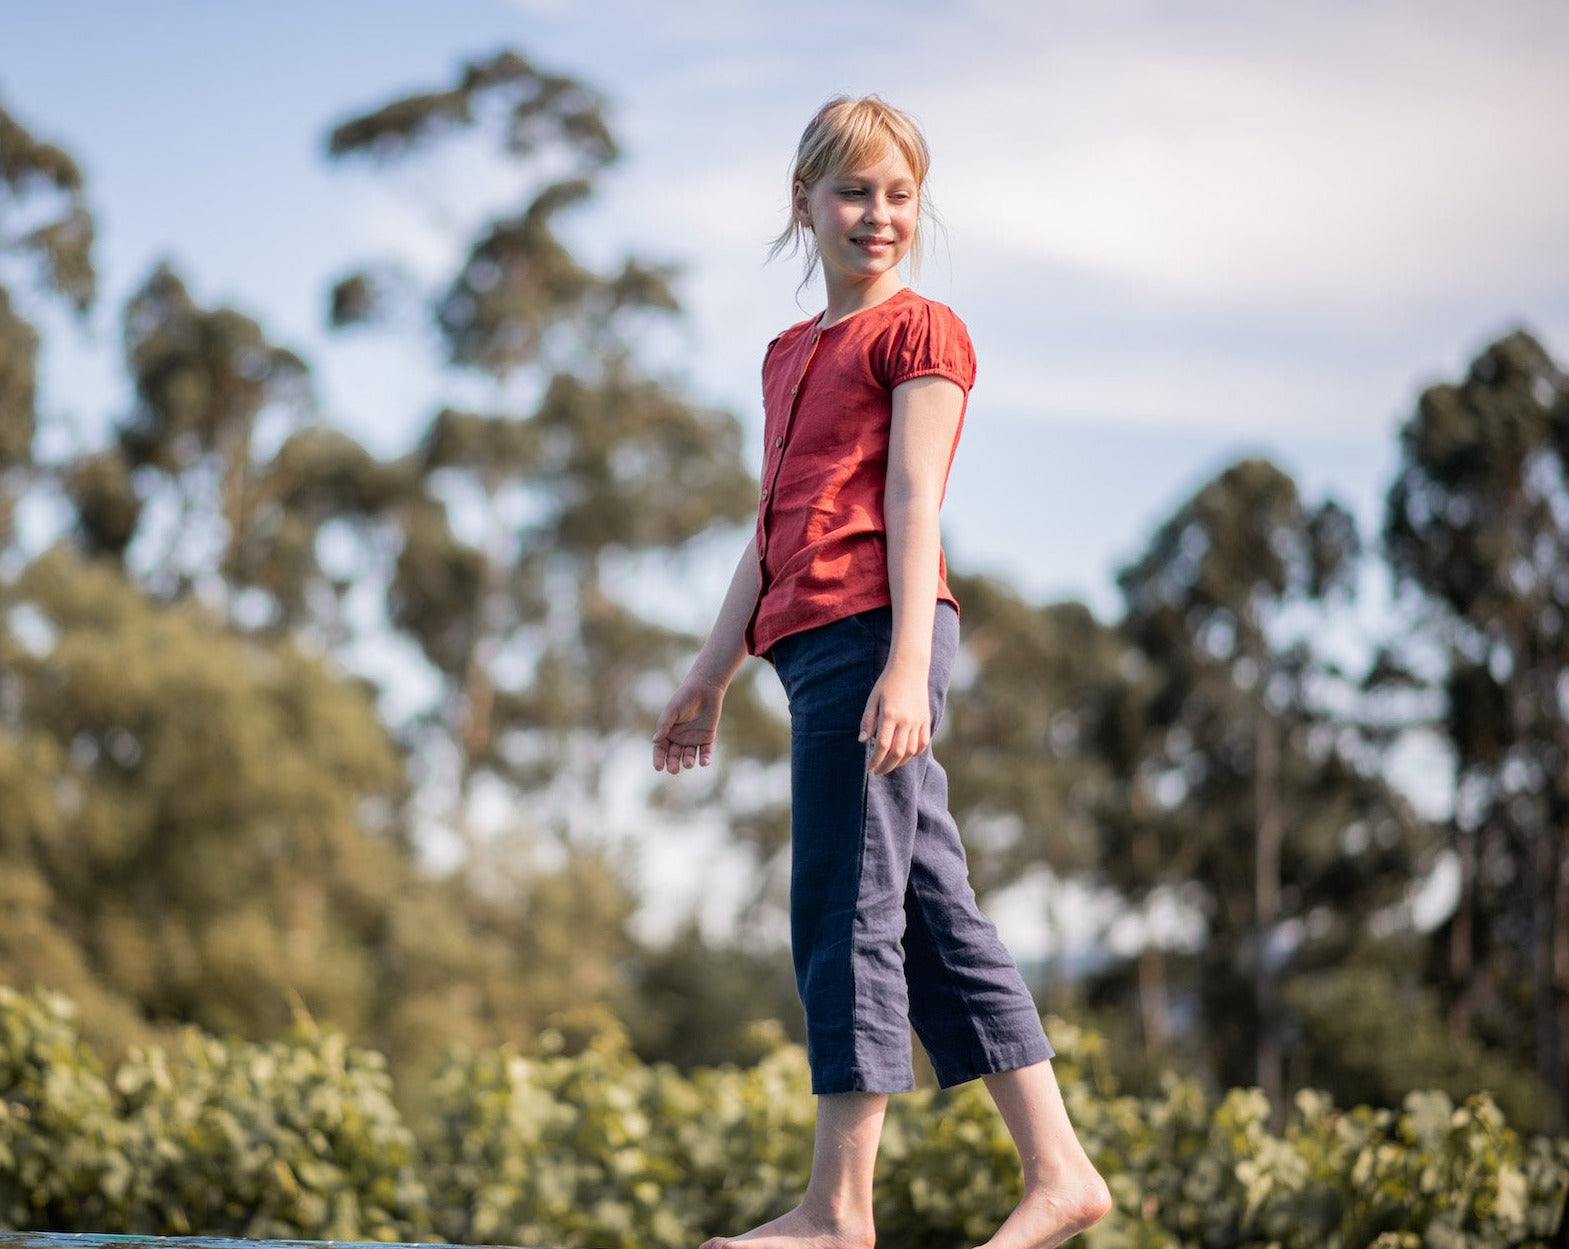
(709, 676)
(911, 662)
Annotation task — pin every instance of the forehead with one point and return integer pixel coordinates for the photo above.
(885, 163)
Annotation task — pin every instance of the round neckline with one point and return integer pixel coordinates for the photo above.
(817, 322)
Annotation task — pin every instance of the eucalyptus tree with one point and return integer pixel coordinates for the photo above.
(46, 241)
(46, 236)
(1477, 525)
(1242, 795)
(527, 514)
(220, 476)
(202, 818)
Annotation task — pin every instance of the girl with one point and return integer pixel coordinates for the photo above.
(843, 589)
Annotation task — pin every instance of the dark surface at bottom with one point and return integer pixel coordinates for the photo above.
(86, 1240)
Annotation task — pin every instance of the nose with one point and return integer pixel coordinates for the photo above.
(876, 209)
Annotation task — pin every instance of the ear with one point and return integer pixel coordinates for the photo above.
(801, 204)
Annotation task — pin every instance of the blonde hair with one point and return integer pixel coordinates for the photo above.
(850, 134)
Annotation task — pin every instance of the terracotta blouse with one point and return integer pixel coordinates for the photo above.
(827, 413)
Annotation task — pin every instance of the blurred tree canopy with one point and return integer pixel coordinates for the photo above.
(212, 810)
(1478, 526)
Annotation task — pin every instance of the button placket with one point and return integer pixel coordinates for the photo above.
(778, 460)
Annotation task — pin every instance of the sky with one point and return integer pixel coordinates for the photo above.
(1180, 233)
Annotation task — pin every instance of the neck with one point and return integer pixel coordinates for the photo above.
(845, 299)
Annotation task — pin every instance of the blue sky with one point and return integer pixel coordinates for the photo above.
(1179, 233)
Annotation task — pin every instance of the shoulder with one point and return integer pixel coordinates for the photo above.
(921, 336)
(915, 308)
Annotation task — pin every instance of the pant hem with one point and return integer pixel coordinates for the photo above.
(862, 1082)
(995, 1062)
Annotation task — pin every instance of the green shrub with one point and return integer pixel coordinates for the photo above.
(290, 1138)
(301, 1138)
(62, 1154)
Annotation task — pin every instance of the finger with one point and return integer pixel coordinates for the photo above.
(870, 716)
(876, 751)
(887, 732)
(705, 755)
(896, 751)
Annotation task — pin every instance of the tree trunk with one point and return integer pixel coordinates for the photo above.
(475, 728)
(1561, 965)
(1154, 1008)
(1462, 940)
(1266, 897)
(1551, 965)
(234, 473)
(1154, 1014)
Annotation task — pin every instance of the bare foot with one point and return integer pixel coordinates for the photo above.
(800, 1230)
(1048, 1217)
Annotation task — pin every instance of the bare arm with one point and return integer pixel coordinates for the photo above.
(926, 412)
(684, 736)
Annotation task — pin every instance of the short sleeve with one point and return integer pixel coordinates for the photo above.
(929, 340)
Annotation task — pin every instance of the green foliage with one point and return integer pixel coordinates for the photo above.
(1370, 1033)
(602, 1150)
(300, 1137)
(196, 827)
(60, 246)
(290, 1138)
(693, 1002)
(61, 1143)
(193, 804)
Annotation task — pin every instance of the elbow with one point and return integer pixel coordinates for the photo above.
(902, 500)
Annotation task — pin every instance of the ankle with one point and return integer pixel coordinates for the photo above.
(847, 1216)
(1080, 1186)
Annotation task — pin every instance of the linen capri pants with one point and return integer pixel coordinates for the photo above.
(885, 932)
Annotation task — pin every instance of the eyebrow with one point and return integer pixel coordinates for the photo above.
(861, 177)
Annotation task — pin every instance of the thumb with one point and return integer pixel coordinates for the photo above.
(667, 719)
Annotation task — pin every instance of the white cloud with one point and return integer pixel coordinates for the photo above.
(1375, 158)
(1343, 172)
(1198, 216)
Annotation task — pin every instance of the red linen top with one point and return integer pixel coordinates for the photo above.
(827, 412)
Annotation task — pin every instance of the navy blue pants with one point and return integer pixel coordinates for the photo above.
(884, 927)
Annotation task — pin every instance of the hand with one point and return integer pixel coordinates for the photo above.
(897, 720)
(684, 736)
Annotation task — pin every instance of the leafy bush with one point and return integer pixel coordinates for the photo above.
(291, 1138)
(297, 1137)
(62, 1144)
(300, 1138)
